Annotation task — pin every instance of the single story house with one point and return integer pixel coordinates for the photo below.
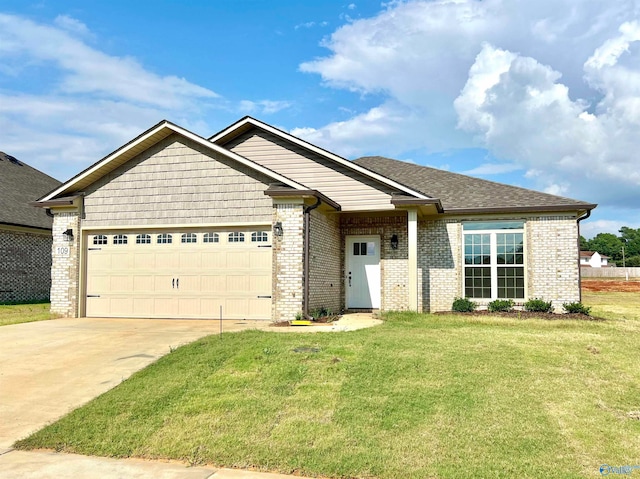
(256, 223)
(593, 259)
(25, 232)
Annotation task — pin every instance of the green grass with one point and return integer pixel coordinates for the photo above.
(419, 397)
(24, 313)
(619, 305)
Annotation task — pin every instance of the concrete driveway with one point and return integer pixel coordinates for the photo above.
(49, 368)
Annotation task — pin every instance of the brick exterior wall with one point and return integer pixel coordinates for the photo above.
(288, 254)
(65, 267)
(25, 266)
(439, 264)
(551, 256)
(325, 270)
(394, 274)
(552, 259)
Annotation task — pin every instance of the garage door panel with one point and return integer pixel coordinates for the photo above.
(238, 259)
(213, 260)
(143, 307)
(213, 283)
(143, 284)
(167, 260)
(121, 284)
(260, 284)
(237, 284)
(145, 261)
(178, 280)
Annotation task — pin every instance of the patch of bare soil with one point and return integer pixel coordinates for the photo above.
(614, 286)
(528, 315)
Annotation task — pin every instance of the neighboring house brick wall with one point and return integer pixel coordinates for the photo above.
(552, 259)
(25, 269)
(65, 268)
(439, 264)
(394, 273)
(177, 182)
(288, 253)
(325, 278)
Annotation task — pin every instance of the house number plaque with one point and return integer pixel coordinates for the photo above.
(62, 251)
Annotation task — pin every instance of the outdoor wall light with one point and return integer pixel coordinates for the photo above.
(394, 242)
(277, 229)
(68, 235)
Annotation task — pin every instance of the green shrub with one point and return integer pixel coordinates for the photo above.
(320, 312)
(577, 308)
(500, 305)
(538, 306)
(463, 305)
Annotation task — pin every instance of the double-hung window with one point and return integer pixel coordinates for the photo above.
(493, 259)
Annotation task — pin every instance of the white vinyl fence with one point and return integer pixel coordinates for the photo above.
(612, 272)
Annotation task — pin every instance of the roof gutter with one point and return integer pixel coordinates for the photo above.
(586, 215)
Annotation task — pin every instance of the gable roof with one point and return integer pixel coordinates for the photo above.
(141, 143)
(19, 185)
(247, 123)
(465, 194)
(589, 254)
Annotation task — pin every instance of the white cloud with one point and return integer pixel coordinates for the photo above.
(521, 110)
(493, 169)
(87, 70)
(72, 25)
(265, 107)
(517, 71)
(87, 102)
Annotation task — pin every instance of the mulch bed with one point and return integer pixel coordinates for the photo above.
(527, 315)
(322, 321)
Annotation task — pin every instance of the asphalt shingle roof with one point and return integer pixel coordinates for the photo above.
(20, 184)
(461, 192)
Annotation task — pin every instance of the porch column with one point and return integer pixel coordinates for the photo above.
(412, 233)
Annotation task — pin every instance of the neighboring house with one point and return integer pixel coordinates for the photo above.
(255, 223)
(25, 232)
(593, 259)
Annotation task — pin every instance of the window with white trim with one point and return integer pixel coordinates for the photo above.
(494, 259)
(99, 239)
(164, 238)
(259, 237)
(143, 239)
(236, 237)
(189, 238)
(120, 239)
(211, 238)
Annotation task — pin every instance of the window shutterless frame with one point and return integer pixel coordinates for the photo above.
(494, 260)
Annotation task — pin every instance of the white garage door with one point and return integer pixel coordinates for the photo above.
(179, 274)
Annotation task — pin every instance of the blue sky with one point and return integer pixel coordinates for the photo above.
(544, 95)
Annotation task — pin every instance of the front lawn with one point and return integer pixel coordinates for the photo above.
(422, 396)
(24, 313)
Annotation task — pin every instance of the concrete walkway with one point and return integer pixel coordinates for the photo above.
(51, 465)
(49, 368)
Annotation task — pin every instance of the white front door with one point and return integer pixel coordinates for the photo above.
(362, 282)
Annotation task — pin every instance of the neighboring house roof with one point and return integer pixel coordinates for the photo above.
(141, 143)
(589, 254)
(21, 184)
(465, 194)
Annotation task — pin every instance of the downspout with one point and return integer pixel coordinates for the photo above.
(579, 269)
(305, 263)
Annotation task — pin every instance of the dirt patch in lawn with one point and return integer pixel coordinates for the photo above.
(598, 285)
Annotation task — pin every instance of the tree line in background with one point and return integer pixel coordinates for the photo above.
(611, 245)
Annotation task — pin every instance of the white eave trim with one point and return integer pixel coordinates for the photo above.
(316, 149)
(187, 134)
